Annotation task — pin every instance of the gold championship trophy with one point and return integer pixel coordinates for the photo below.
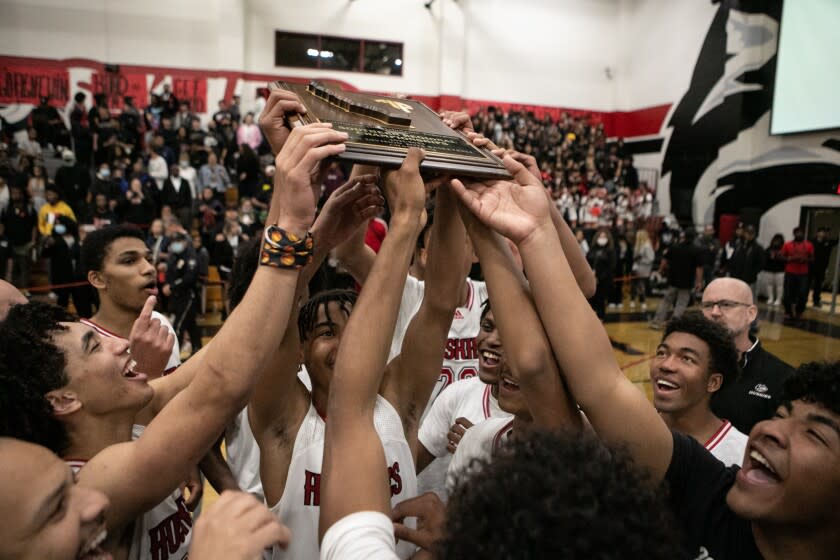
(381, 129)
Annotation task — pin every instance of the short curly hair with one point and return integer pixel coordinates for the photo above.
(96, 244)
(553, 495)
(31, 365)
(816, 383)
(723, 355)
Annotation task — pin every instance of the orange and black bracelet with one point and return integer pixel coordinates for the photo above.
(284, 249)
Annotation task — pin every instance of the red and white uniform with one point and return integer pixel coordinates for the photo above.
(480, 442)
(728, 444)
(468, 398)
(162, 533)
(299, 507)
(174, 357)
(460, 358)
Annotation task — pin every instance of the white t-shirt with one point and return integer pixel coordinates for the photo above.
(479, 442)
(728, 444)
(468, 398)
(166, 526)
(460, 359)
(364, 535)
(174, 357)
(299, 507)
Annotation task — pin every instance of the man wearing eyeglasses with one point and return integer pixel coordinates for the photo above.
(754, 396)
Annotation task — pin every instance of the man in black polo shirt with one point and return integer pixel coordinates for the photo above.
(755, 395)
(781, 504)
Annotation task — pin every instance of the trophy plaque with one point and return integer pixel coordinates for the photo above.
(381, 129)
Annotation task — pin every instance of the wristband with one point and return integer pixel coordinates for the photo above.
(284, 249)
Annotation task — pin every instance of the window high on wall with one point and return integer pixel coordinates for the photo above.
(302, 50)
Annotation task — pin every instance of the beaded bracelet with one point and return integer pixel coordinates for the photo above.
(284, 249)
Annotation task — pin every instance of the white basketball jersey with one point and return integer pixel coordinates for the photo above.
(174, 357)
(243, 452)
(468, 398)
(460, 357)
(728, 444)
(243, 455)
(162, 533)
(299, 507)
(479, 442)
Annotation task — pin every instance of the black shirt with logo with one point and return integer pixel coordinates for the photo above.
(756, 393)
(697, 487)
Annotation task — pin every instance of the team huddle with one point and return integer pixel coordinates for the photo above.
(427, 415)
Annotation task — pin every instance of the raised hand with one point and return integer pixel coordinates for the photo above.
(404, 187)
(237, 527)
(274, 121)
(350, 205)
(529, 161)
(150, 342)
(515, 209)
(298, 164)
(457, 120)
(456, 432)
(431, 520)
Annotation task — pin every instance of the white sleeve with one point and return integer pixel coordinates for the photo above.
(412, 296)
(364, 535)
(438, 420)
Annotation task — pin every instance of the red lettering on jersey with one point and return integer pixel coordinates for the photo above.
(312, 489)
(168, 536)
(396, 479)
(449, 352)
(460, 349)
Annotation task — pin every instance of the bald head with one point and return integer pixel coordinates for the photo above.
(729, 288)
(9, 296)
(729, 302)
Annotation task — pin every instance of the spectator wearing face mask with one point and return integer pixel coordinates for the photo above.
(51, 210)
(182, 286)
(62, 248)
(602, 259)
(104, 184)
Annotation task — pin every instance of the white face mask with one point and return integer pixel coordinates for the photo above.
(602, 241)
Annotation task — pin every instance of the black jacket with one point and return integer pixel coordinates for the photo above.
(756, 393)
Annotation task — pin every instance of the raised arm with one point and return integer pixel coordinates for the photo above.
(526, 346)
(353, 476)
(353, 253)
(411, 376)
(618, 412)
(224, 374)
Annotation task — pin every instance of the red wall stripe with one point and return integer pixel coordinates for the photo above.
(639, 122)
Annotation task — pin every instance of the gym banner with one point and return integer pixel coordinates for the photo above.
(118, 86)
(27, 84)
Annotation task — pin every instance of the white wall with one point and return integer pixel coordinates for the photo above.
(547, 52)
(660, 41)
(183, 33)
(550, 52)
